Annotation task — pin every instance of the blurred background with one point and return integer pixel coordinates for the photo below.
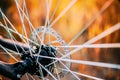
(69, 25)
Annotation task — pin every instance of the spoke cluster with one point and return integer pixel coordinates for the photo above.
(31, 63)
(36, 37)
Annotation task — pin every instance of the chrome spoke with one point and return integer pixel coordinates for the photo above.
(64, 11)
(105, 6)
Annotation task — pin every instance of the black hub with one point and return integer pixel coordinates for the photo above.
(31, 63)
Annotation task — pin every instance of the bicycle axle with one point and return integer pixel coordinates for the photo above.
(30, 63)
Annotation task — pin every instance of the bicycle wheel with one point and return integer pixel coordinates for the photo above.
(80, 32)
